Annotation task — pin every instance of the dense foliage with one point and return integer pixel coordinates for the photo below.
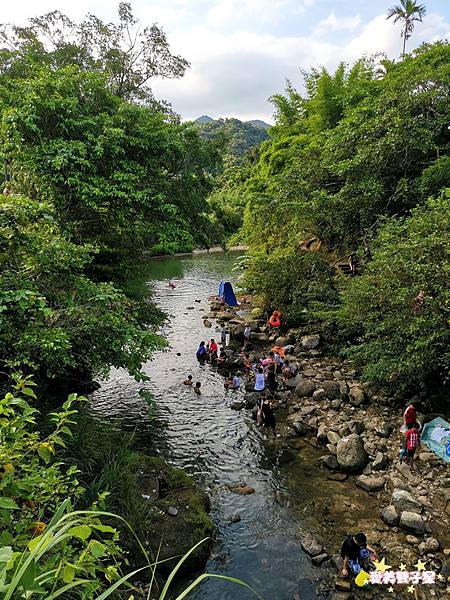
(239, 137)
(362, 144)
(54, 320)
(34, 491)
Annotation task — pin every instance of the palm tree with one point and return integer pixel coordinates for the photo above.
(408, 11)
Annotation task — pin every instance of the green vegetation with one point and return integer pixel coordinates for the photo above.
(348, 173)
(239, 137)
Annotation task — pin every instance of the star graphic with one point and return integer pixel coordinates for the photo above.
(440, 577)
(402, 567)
(391, 590)
(381, 565)
(420, 565)
(411, 589)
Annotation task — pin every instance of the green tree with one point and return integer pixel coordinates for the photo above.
(408, 12)
(130, 55)
(398, 310)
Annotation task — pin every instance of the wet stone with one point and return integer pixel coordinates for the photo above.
(311, 546)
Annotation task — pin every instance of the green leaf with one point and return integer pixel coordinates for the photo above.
(6, 553)
(7, 503)
(97, 549)
(68, 573)
(44, 453)
(104, 528)
(81, 532)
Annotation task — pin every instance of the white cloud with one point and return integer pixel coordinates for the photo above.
(334, 23)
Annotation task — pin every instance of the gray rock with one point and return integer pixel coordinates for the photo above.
(234, 518)
(370, 484)
(337, 476)
(351, 455)
(237, 405)
(332, 389)
(309, 373)
(319, 394)
(404, 501)
(333, 438)
(379, 462)
(357, 395)
(309, 342)
(343, 389)
(305, 388)
(294, 381)
(389, 516)
(411, 539)
(331, 449)
(299, 427)
(412, 521)
(330, 461)
(319, 559)
(207, 323)
(281, 341)
(251, 399)
(172, 511)
(336, 404)
(431, 545)
(311, 546)
(322, 433)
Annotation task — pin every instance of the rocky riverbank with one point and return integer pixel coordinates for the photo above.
(356, 426)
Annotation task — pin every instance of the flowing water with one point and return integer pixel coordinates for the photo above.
(219, 446)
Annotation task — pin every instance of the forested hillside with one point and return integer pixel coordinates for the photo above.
(347, 212)
(238, 137)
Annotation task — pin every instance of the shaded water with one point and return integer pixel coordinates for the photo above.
(218, 445)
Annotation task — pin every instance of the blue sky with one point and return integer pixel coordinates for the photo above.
(242, 51)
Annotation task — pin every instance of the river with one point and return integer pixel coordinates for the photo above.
(217, 445)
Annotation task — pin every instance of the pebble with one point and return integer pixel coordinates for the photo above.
(172, 511)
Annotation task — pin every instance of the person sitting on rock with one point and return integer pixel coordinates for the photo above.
(228, 383)
(188, 381)
(356, 554)
(274, 320)
(222, 357)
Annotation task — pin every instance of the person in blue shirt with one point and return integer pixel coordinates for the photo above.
(202, 352)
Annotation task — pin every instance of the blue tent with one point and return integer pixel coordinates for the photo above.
(436, 435)
(226, 291)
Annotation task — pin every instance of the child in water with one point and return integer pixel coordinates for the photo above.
(188, 381)
(197, 388)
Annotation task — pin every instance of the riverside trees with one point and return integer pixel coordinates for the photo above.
(364, 144)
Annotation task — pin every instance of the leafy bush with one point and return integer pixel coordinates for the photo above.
(34, 488)
(400, 306)
(53, 319)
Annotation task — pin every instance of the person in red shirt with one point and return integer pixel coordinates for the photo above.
(412, 442)
(213, 349)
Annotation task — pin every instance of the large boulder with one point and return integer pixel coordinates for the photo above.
(251, 399)
(350, 453)
(404, 501)
(309, 342)
(380, 461)
(305, 388)
(294, 381)
(357, 395)
(412, 521)
(311, 546)
(389, 516)
(332, 389)
(257, 313)
(298, 425)
(370, 484)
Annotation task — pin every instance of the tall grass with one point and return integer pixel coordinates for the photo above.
(58, 531)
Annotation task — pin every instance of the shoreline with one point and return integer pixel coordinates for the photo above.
(356, 426)
(196, 252)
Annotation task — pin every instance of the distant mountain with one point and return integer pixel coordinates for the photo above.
(241, 136)
(259, 123)
(204, 119)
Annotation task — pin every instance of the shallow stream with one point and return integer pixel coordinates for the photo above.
(219, 446)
